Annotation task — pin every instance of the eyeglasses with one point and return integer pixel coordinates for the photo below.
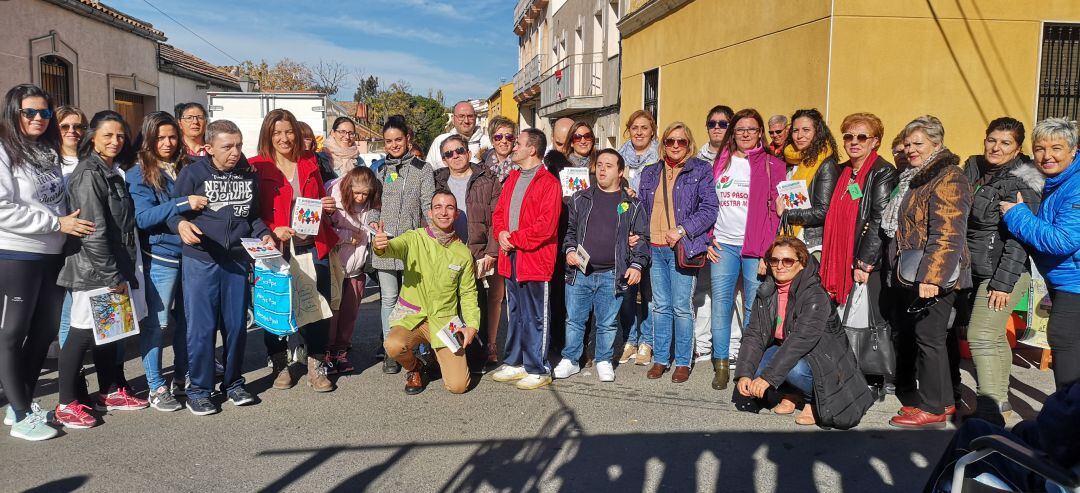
(787, 262)
(861, 137)
(747, 130)
(676, 142)
(774, 133)
(721, 124)
(31, 113)
(68, 127)
(502, 137)
(465, 117)
(345, 133)
(193, 118)
(460, 151)
(581, 137)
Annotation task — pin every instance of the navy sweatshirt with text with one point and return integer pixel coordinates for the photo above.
(231, 214)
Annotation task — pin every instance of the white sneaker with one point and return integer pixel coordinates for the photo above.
(703, 356)
(509, 373)
(533, 382)
(605, 371)
(565, 368)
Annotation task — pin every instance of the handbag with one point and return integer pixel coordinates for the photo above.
(907, 270)
(272, 297)
(683, 260)
(870, 338)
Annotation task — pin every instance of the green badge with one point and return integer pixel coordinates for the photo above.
(854, 191)
(622, 207)
(391, 177)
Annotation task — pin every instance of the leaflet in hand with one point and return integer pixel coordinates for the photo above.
(259, 250)
(583, 258)
(370, 230)
(448, 334)
(113, 315)
(793, 194)
(307, 213)
(573, 180)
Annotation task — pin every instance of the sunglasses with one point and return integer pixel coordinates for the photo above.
(774, 133)
(581, 137)
(787, 262)
(721, 124)
(31, 113)
(676, 142)
(502, 137)
(67, 127)
(460, 151)
(922, 304)
(861, 138)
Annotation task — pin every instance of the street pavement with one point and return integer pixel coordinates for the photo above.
(575, 435)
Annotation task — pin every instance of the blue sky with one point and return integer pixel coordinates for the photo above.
(463, 47)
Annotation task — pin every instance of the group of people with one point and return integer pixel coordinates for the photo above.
(484, 219)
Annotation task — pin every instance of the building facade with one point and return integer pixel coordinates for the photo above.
(501, 103)
(966, 62)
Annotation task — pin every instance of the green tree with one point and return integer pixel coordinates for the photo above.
(366, 88)
(425, 115)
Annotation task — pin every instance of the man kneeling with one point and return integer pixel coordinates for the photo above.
(438, 277)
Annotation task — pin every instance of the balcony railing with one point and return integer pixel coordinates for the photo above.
(524, 10)
(527, 79)
(574, 83)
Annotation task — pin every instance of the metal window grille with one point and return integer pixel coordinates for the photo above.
(1059, 80)
(56, 79)
(652, 92)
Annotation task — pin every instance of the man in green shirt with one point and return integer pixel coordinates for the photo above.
(439, 276)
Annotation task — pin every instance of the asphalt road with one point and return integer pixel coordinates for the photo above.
(576, 435)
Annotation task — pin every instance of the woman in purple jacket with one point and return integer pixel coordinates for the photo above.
(745, 177)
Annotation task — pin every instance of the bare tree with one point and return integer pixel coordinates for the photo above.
(329, 76)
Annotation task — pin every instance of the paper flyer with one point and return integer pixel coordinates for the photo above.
(447, 334)
(794, 194)
(583, 258)
(113, 314)
(573, 180)
(307, 213)
(256, 249)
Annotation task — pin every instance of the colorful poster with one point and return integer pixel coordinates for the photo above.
(573, 180)
(793, 194)
(113, 315)
(448, 334)
(257, 249)
(307, 213)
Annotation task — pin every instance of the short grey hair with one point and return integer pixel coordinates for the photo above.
(778, 120)
(929, 125)
(218, 127)
(1054, 129)
(451, 139)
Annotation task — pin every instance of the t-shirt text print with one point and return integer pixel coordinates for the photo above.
(50, 188)
(227, 190)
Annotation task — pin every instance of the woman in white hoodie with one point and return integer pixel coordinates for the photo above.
(33, 221)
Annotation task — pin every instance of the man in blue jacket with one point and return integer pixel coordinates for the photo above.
(599, 270)
(215, 265)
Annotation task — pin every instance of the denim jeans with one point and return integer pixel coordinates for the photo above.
(673, 290)
(633, 317)
(725, 276)
(389, 287)
(799, 376)
(162, 291)
(591, 293)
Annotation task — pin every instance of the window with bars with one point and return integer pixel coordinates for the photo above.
(652, 92)
(1059, 78)
(56, 79)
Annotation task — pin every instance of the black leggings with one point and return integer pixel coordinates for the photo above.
(30, 305)
(1063, 334)
(72, 384)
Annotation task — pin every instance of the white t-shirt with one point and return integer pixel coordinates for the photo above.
(67, 165)
(733, 195)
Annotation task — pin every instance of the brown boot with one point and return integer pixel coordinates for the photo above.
(316, 374)
(283, 379)
(656, 371)
(723, 374)
(681, 374)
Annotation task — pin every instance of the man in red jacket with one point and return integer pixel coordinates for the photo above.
(526, 223)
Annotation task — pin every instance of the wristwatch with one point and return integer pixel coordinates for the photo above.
(682, 232)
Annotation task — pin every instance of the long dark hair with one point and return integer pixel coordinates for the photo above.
(729, 137)
(266, 134)
(15, 144)
(149, 161)
(127, 152)
(823, 137)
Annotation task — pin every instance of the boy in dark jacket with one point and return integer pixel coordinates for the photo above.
(215, 264)
(601, 220)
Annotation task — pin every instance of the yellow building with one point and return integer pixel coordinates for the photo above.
(964, 61)
(502, 103)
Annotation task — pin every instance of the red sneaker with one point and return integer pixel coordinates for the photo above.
(919, 420)
(908, 410)
(120, 401)
(74, 415)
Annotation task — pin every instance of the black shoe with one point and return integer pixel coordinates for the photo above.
(241, 397)
(390, 367)
(201, 406)
(426, 355)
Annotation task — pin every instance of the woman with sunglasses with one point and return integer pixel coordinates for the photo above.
(676, 193)
(716, 124)
(34, 224)
(502, 132)
(793, 349)
(582, 147)
(745, 176)
(340, 151)
(641, 148)
(192, 118)
(928, 215)
(72, 126)
(810, 153)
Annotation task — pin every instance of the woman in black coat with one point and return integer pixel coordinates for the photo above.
(795, 338)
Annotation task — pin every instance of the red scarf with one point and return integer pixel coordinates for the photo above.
(838, 242)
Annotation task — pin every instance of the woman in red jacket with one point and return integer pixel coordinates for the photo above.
(286, 171)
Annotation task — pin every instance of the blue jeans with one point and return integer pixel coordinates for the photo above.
(673, 293)
(634, 318)
(161, 290)
(389, 288)
(799, 376)
(725, 274)
(592, 293)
